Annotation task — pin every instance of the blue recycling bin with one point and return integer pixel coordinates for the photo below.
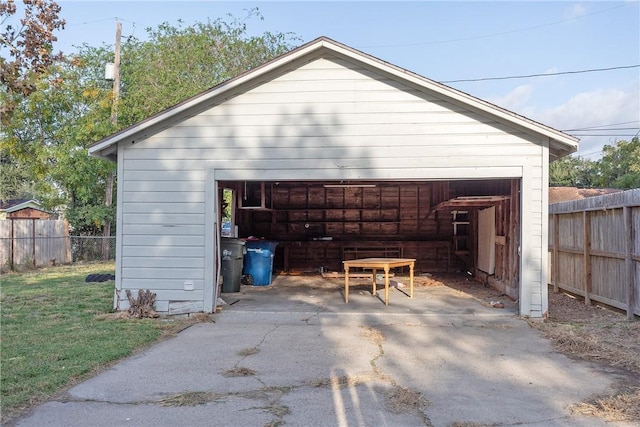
(258, 261)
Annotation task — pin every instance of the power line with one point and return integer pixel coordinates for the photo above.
(602, 126)
(495, 34)
(599, 129)
(115, 18)
(606, 134)
(623, 67)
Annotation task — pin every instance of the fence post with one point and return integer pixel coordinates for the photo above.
(33, 241)
(586, 242)
(556, 255)
(629, 232)
(67, 239)
(12, 246)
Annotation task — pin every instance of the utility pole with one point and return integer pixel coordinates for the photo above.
(116, 77)
(108, 197)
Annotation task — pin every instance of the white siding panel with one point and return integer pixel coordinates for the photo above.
(253, 146)
(332, 109)
(372, 166)
(259, 117)
(162, 240)
(193, 176)
(174, 287)
(162, 262)
(162, 196)
(163, 230)
(144, 186)
(168, 164)
(166, 295)
(162, 208)
(277, 131)
(164, 218)
(164, 251)
(327, 152)
(167, 273)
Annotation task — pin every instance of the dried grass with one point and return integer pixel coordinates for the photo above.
(402, 400)
(190, 398)
(624, 406)
(341, 381)
(591, 332)
(238, 372)
(278, 410)
(201, 317)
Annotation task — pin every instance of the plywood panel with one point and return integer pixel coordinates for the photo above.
(487, 240)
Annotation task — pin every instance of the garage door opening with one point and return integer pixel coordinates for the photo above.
(468, 226)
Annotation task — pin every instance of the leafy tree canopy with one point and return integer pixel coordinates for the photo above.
(43, 150)
(27, 44)
(619, 167)
(176, 63)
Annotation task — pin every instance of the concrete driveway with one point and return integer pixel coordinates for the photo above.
(295, 354)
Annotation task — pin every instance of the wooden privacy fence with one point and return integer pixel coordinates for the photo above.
(594, 247)
(34, 243)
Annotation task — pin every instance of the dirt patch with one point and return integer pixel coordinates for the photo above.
(563, 194)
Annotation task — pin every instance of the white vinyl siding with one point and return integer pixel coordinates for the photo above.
(327, 119)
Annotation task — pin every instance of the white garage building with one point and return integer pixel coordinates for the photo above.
(326, 141)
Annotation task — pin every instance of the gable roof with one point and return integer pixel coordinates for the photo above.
(560, 143)
(13, 205)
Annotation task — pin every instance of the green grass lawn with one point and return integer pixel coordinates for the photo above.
(55, 330)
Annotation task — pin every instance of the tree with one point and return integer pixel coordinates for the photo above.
(572, 171)
(49, 131)
(29, 49)
(176, 63)
(620, 165)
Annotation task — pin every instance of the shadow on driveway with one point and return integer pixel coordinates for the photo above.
(293, 353)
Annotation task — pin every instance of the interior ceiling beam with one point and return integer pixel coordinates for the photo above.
(470, 202)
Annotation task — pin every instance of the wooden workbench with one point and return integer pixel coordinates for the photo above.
(374, 264)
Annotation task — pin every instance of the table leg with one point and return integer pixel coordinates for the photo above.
(386, 285)
(346, 283)
(373, 285)
(411, 279)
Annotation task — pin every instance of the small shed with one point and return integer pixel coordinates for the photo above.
(334, 154)
(22, 209)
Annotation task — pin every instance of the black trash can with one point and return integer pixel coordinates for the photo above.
(233, 251)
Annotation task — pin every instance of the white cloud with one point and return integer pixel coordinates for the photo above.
(595, 108)
(514, 100)
(576, 11)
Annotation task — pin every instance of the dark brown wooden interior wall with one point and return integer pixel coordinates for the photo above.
(319, 227)
(390, 219)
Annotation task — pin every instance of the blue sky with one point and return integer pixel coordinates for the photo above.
(445, 41)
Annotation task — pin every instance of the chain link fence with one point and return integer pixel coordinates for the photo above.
(92, 248)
